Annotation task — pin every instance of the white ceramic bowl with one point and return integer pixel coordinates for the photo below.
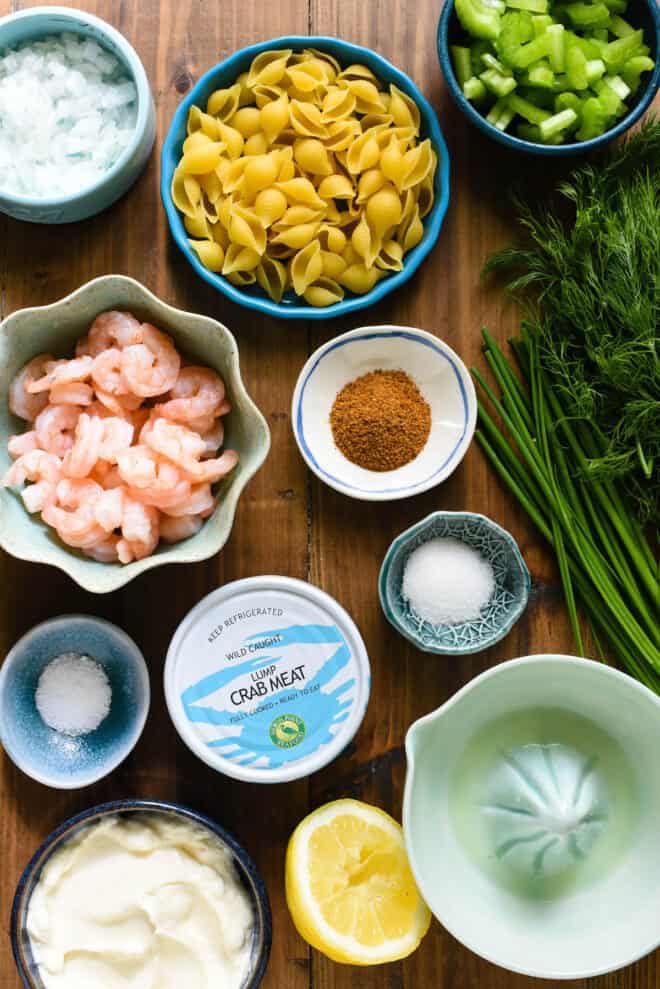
(590, 928)
(439, 373)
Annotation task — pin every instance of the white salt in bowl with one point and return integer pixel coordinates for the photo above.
(37, 23)
(441, 377)
(62, 761)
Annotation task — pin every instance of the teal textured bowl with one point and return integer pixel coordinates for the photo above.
(512, 584)
(55, 329)
(36, 23)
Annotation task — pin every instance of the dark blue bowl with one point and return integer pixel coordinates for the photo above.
(225, 74)
(642, 13)
(245, 867)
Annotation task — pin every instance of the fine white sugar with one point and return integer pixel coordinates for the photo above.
(446, 582)
(73, 694)
(67, 111)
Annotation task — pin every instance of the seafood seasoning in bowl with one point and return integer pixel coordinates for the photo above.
(267, 679)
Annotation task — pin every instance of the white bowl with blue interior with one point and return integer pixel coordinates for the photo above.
(439, 373)
(61, 761)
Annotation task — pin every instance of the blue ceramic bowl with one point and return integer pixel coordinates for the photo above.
(34, 24)
(244, 865)
(512, 584)
(641, 13)
(63, 761)
(224, 75)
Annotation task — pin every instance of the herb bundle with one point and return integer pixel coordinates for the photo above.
(578, 438)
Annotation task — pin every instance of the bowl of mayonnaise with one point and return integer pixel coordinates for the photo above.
(145, 887)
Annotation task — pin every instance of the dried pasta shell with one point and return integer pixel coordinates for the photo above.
(332, 238)
(268, 68)
(259, 173)
(275, 117)
(203, 159)
(219, 235)
(403, 109)
(338, 103)
(209, 253)
(362, 154)
(246, 228)
(323, 292)
(223, 103)
(366, 95)
(306, 119)
(357, 72)
(410, 233)
(333, 264)
(270, 205)
(266, 94)
(198, 139)
(245, 96)
(231, 174)
(211, 186)
(271, 275)
(380, 120)
(300, 191)
(350, 255)
(232, 139)
(242, 278)
(306, 76)
(383, 209)
(198, 226)
(256, 145)
(311, 156)
(425, 195)
(209, 209)
(186, 192)
(393, 163)
(280, 251)
(297, 237)
(359, 279)
(341, 134)
(330, 64)
(405, 136)
(366, 242)
(204, 122)
(390, 256)
(336, 186)
(225, 210)
(419, 160)
(238, 258)
(370, 182)
(306, 267)
(247, 121)
(295, 215)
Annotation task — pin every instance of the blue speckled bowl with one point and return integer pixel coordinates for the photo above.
(641, 13)
(512, 584)
(49, 757)
(225, 74)
(247, 871)
(34, 24)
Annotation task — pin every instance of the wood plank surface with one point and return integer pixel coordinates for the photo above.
(287, 523)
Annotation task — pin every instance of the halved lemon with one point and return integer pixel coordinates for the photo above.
(349, 886)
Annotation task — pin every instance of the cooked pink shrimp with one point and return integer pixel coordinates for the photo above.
(86, 448)
(37, 465)
(72, 516)
(117, 436)
(116, 405)
(151, 480)
(180, 445)
(104, 551)
(55, 427)
(23, 403)
(213, 439)
(36, 496)
(201, 501)
(62, 372)
(109, 508)
(140, 531)
(22, 443)
(173, 530)
(198, 391)
(113, 329)
(152, 367)
(106, 372)
(82, 347)
(107, 475)
(75, 393)
(210, 471)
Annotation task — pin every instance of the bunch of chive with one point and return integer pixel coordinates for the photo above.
(557, 71)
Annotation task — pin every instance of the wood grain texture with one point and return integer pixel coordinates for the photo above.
(286, 522)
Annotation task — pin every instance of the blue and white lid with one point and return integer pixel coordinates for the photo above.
(267, 679)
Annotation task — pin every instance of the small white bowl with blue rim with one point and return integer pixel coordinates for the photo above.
(61, 761)
(439, 373)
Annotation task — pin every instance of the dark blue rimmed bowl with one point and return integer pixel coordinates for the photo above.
(245, 867)
(642, 13)
(225, 74)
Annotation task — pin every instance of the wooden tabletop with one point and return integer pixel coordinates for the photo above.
(287, 522)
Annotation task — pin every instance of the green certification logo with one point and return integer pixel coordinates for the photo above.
(287, 731)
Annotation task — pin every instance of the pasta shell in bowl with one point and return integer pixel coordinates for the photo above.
(45, 524)
(305, 177)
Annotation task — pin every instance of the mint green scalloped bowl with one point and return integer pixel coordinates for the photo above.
(56, 328)
(497, 618)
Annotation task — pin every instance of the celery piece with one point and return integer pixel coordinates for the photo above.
(523, 108)
(621, 89)
(478, 18)
(497, 83)
(462, 63)
(516, 30)
(474, 90)
(607, 98)
(588, 47)
(540, 22)
(531, 52)
(491, 62)
(543, 98)
(617, 53)
(530, 132)
(576, 69)
(561, 83)
(633, 69)
(500, 115)
(533, 6)
(477, 50)
(600, 35)
(556, 41)
(541, 76)
(567, 101)
(595, 69)
(583, 15)
(616, 6)
(619, 27)
(593, 119)
(557, 123)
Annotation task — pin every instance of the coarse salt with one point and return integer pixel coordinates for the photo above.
(73, 694)
(447, 582)
(67, 112)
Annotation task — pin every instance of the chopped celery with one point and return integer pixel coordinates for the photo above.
(497, 83)
(543, 98)
(616, 6)
(533, 6)
(462, 63)
(600, 34)
(617, 53)
(541, 75)
(608, 99)
(633, 69)
(478, 18)
(494, 63)
(588, 47)
(557, 123)
(594, 119)
(530, 132)
(576, 68)
(477, 50)
(583, 15)
(516, 30)
(619, 86)
(556, 41)
(474, 90)
(595, 69)
(568, 101)
(619, 27)
(525, 109)
(501, 115)
(531, 52)
(540, 22)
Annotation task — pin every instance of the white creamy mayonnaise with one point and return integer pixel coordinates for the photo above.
(142, 901)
